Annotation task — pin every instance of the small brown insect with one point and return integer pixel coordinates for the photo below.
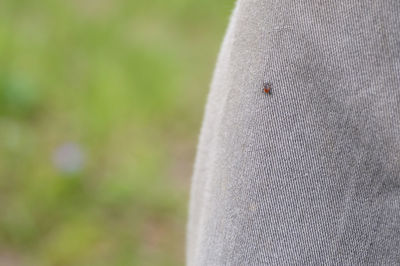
(267, 88)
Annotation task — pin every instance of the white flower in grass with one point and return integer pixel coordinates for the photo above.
(69, 158)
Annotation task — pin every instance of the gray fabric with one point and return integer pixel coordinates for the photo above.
(309, 175)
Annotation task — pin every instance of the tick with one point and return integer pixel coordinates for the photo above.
(267, 88)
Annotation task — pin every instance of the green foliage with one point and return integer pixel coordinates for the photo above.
(125, 82)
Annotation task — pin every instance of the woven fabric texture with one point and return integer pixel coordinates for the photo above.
(309, 174)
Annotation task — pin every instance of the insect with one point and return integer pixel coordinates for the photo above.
(267, 88)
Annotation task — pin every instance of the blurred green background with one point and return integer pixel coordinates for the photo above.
(100, 108)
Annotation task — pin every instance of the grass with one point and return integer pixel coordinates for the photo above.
(124, 84)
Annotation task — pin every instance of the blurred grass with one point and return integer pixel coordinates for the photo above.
(125, 81)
